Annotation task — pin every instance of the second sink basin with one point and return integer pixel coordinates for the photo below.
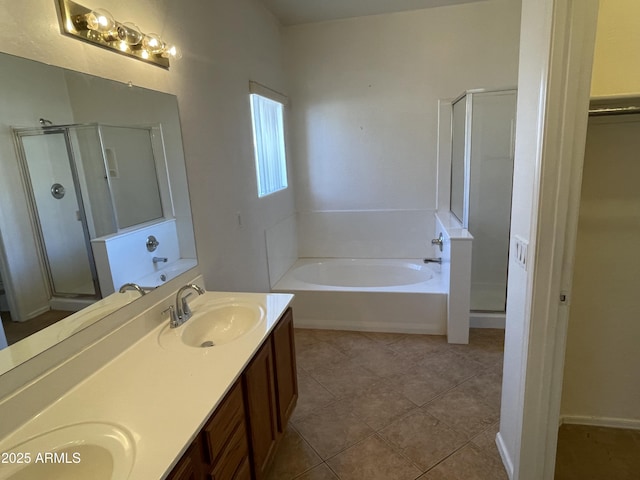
(98, 451)
(214, 323)
(221, 324)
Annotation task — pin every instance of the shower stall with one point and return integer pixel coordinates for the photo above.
(482, 151)
(83, 182)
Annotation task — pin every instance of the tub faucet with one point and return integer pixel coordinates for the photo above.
(132, 286)
(160, 259)
(433, 260)
(182, 312)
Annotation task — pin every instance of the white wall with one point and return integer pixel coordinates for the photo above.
(556, 53)
(601, 381)
(534, 48)
(616, 70)
(225, 43)
(364, 106)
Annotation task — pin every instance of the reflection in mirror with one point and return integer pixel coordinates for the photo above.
(89, 169)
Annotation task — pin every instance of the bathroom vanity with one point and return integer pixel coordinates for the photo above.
(243, 433)
(169, 404)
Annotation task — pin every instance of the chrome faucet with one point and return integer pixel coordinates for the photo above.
(182, 312)
(160, 259)
(433, 260)
(132, 286)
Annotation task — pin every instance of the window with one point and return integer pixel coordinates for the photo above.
(268, 142)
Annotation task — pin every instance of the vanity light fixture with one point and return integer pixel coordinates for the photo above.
(98, 27)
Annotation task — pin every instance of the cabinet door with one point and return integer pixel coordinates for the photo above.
(284, 353)
(260, 401)
(189, 466)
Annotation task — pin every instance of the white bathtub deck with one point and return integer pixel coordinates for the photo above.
(411, 308)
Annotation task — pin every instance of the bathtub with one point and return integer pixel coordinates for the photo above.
(381, 295)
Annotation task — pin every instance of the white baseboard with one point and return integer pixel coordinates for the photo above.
(395, 327)
(487, 320)
(504, 454)
(70, 304)
(628, 423)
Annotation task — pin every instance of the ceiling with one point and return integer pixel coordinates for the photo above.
(293, 12)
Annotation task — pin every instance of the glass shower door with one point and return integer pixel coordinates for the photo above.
(59, 217)
(490, 187)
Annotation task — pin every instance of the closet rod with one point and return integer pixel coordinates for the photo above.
(614, 111)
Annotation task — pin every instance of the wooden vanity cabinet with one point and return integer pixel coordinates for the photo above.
(239, 441)
(286, 375)
(271, 393)
(260, 398)
(190, 465)
(225, 438)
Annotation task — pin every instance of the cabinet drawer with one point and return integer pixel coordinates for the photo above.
(228, 418)
(234, 454)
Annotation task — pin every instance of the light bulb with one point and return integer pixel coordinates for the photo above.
(130, 33)
(144, 54)
(152, 43)
(100, 21)
(172, 52)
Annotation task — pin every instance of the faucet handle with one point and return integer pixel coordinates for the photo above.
(186, 309)
(438, 241)
(173, 318)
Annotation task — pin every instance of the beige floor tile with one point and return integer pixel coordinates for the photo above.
(311, 397)
(423, 438)
(372, 459)
(451, 365)
(485, 346)
(352, 344)
(416, 346)
(378, 406)
(384, 338)
(468, 463)
(438, 398)
(327, 335)
(487, 440)
(586, 452)
(318, 355)
(487, 386)
(420, 384)
(345, 379)
(305, 336)
(383, 361)
(332, 429)
(294, 457)
(493, 337)
(464, 412)
(321, 472)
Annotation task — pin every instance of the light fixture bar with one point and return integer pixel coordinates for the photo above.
(99, 28)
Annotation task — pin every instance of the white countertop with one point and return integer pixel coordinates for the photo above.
(26, 348)
(161, 396)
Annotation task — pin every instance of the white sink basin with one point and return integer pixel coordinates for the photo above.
(99, 451)
(215, 323)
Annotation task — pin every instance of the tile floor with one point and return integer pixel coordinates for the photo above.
(16, 331)
(394, 407)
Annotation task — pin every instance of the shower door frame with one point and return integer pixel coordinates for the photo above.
(18, 134)
(467, 97)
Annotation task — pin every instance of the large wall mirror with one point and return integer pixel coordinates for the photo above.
(93, 195)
